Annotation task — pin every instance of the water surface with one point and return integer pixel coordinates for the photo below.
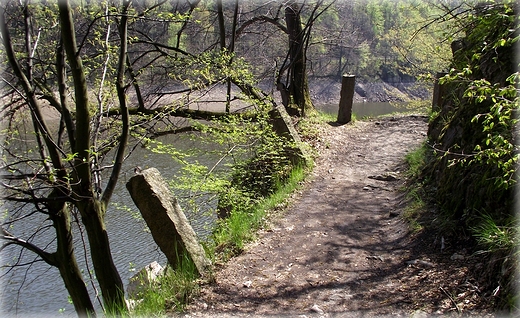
(368, 109)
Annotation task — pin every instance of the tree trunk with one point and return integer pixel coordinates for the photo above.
(298, 84)
(67, 265)
(231, 51)
(92, 211)
(221, 25)
(64, 258)
(110, 283)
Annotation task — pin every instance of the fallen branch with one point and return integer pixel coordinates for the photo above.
(451, 298)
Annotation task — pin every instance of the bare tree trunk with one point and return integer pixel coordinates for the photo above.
(221, 25)
(67, 265)
(231, 51)
(222, 37)
(64, 258)
(298, 84)
(112, 289)
(92, 211)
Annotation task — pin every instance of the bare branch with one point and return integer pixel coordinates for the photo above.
(262, 19)
(123, 139)
(49, 258)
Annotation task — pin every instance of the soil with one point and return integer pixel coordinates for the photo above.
(342, 248)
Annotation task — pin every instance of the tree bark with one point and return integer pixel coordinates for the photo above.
(110, 283)
(231, 51)
(67, 265)
(221, 25)
(298, 83)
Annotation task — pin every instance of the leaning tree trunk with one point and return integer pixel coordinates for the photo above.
(298, 84)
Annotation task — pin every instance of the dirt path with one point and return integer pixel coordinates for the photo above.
(341, 248)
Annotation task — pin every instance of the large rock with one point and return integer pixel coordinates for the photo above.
(284, 127)
(142, 279)
(169, 226)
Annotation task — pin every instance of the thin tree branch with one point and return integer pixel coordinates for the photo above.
(49, 258)
(123, 141)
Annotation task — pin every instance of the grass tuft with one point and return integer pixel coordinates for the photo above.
(169, 293)
(494, 237)
(416, 161)
(413, 209)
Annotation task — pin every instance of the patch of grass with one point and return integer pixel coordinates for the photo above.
(413, 210)
(309, 127)
(415, 196)
(326, 117)
(234, 232)
(332, 118)
(285, 190)
(421, 106)
(170, 292)
(495, 237)
(416, 160)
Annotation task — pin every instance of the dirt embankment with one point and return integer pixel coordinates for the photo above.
(342, 248)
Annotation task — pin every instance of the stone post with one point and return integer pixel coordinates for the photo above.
(169, 226)
(283, 126)
(438, 92)
(346, 99)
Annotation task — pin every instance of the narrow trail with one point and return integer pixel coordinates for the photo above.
(341, 249)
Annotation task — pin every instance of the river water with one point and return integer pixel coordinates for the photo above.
(368, 109)
(39, 290)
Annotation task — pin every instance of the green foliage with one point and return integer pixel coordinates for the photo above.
(494, 237)
(262, 173)
(485, 92)
(414, 208)
(241, 226)
(170, 292)
(497, 148)
(173, 290)
(475, 159)
(247, 162)
(327, 117)
(197, 72)
(404, 41)
(258, 159)
(250, 166)
(415, 191)
(416, 160)
(259, 154)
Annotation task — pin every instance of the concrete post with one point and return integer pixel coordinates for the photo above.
(346, 99)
